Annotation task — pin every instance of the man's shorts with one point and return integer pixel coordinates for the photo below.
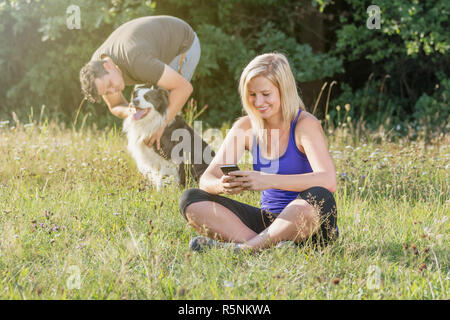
(190, 61)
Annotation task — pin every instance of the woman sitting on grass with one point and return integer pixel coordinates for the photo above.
(297, 203)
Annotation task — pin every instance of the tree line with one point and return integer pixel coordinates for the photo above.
(390, 65)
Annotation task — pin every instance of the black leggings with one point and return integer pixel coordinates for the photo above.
(258, 219)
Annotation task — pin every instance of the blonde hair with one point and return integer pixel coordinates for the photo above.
(274, 67)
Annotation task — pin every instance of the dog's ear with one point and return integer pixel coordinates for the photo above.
(136, 89)
(163, 99)
(164, 94)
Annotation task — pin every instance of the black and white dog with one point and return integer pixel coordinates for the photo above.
(150, 112)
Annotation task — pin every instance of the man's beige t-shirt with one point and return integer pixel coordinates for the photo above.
(142, 46)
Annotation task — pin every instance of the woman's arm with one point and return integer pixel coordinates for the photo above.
(312, 138)
(230, 152)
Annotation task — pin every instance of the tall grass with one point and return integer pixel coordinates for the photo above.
(77, 221)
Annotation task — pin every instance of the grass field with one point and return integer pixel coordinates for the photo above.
(77, 221)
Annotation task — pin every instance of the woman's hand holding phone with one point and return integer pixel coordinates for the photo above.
(228, 182)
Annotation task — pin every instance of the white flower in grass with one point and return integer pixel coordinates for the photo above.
(427, 231)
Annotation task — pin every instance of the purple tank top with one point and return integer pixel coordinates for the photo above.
(293, 161)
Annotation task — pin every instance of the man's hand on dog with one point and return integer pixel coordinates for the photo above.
(149, 141)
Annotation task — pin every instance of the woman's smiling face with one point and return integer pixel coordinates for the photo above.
(264, 96)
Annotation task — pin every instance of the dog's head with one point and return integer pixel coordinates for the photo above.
(146, 99)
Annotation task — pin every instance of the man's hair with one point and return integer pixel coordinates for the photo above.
(91, 71)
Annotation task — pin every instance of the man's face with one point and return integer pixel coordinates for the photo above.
(111, 82)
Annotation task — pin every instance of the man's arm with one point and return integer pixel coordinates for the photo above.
(117, 104)
(179, 90)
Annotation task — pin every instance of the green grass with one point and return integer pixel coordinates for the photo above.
(77, 221)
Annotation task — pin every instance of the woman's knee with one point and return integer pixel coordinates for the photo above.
(321, 199)
(303, 208)
(317, 194)
(304, 215)
(325, 204)
(189, 197)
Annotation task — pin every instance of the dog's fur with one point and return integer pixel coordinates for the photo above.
(156, 165)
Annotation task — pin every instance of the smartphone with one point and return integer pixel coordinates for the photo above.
(229, 168)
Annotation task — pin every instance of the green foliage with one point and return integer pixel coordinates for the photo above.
(307, 65)
(433, 113)
(407, 27)
(411, 48)
(43, 61)
(387, 73)
(370, 104)
(232, 33)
